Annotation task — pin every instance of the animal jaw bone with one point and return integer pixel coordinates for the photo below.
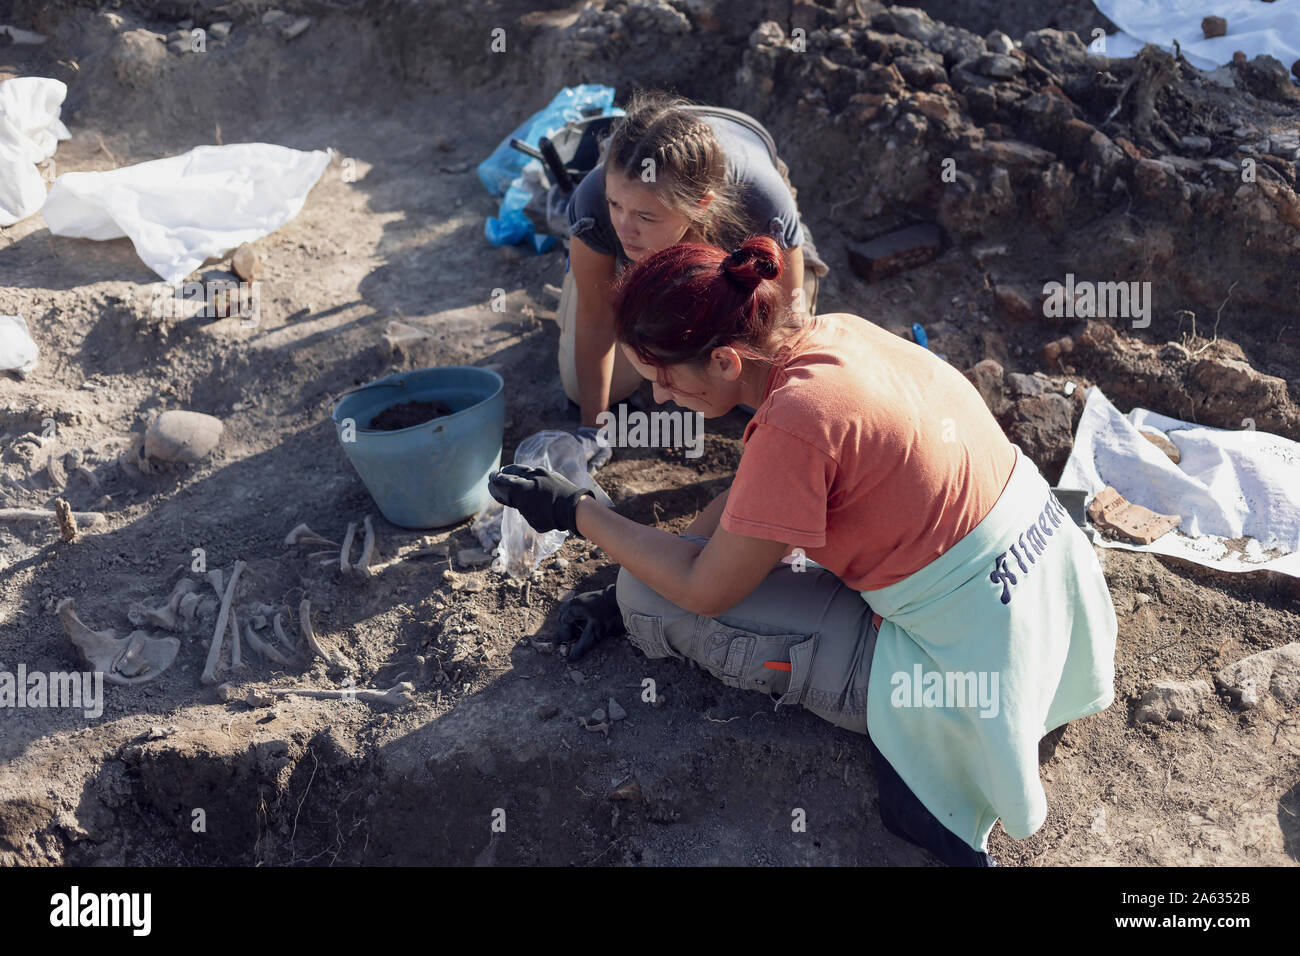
(130, 660)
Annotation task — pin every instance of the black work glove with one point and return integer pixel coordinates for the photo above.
(547, 500)
(589, 618)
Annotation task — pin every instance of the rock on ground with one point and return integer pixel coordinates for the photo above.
(1172, 700)
(1272, 673)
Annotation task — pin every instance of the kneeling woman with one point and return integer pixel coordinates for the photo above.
(948, 606)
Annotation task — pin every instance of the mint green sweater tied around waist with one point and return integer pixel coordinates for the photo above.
(1001, 639)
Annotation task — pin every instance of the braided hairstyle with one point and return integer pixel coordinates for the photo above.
(676, 306)
(674, 150)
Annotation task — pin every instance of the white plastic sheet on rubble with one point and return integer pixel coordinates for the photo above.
(522, 549)
(30, 130)
(1253, 28)
(1228, 485)
(17, 350)
(184, 209)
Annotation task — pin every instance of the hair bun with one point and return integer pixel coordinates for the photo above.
(754, 260)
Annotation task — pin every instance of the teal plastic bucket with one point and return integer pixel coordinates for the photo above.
(434, 473)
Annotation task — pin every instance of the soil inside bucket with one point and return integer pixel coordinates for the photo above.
(406, 414)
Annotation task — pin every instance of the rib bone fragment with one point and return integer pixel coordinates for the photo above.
(269, 651)
(331, 654)
(303, 535)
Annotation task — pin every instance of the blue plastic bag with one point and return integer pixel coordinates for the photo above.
(499, 170)
(505, 173)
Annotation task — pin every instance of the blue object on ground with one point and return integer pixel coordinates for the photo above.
(923, 340)
(434, 473)
(502, 172)
(499, 170)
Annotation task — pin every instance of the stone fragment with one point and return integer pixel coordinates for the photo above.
(1171, 700)
(1161, 441)
(246, 262)
(1272, 673)
(1213, 27)
(999, 66)
(182, 436)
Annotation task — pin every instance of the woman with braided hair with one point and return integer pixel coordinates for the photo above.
(673, 171)
(884, 556)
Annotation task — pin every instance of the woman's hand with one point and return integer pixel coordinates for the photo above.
(546, 499)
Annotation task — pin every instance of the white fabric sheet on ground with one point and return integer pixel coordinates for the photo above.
(184, 209)
(1253, 28)
(1228, 485)
(30, 130)
(18, 353)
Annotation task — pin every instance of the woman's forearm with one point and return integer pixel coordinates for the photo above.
(594, 360)
(660, 560)
(705, 581)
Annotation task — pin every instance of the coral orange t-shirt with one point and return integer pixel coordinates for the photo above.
(870, 453)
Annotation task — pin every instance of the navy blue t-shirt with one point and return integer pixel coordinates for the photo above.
(762, 194)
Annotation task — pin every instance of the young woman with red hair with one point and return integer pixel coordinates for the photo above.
(948, 606)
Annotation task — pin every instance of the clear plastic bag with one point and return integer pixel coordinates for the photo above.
(521, 549)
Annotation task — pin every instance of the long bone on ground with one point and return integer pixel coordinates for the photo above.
(396, 695)
(84, 519)
(367, 550)
(129, 660)
(209, 675)
(346, 549)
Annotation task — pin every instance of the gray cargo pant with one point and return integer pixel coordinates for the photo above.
(809, 620)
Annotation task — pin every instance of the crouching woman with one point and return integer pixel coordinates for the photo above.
(933, 592)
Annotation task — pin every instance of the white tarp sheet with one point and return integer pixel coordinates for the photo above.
(184, 209)
(1229, 484)
(17, 350)
(30, 130)
(1253, 28)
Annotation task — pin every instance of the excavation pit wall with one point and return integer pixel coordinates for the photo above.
(1039, 164)
(473, 787)
(865, 114)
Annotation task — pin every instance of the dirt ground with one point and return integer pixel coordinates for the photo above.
(410, 102)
